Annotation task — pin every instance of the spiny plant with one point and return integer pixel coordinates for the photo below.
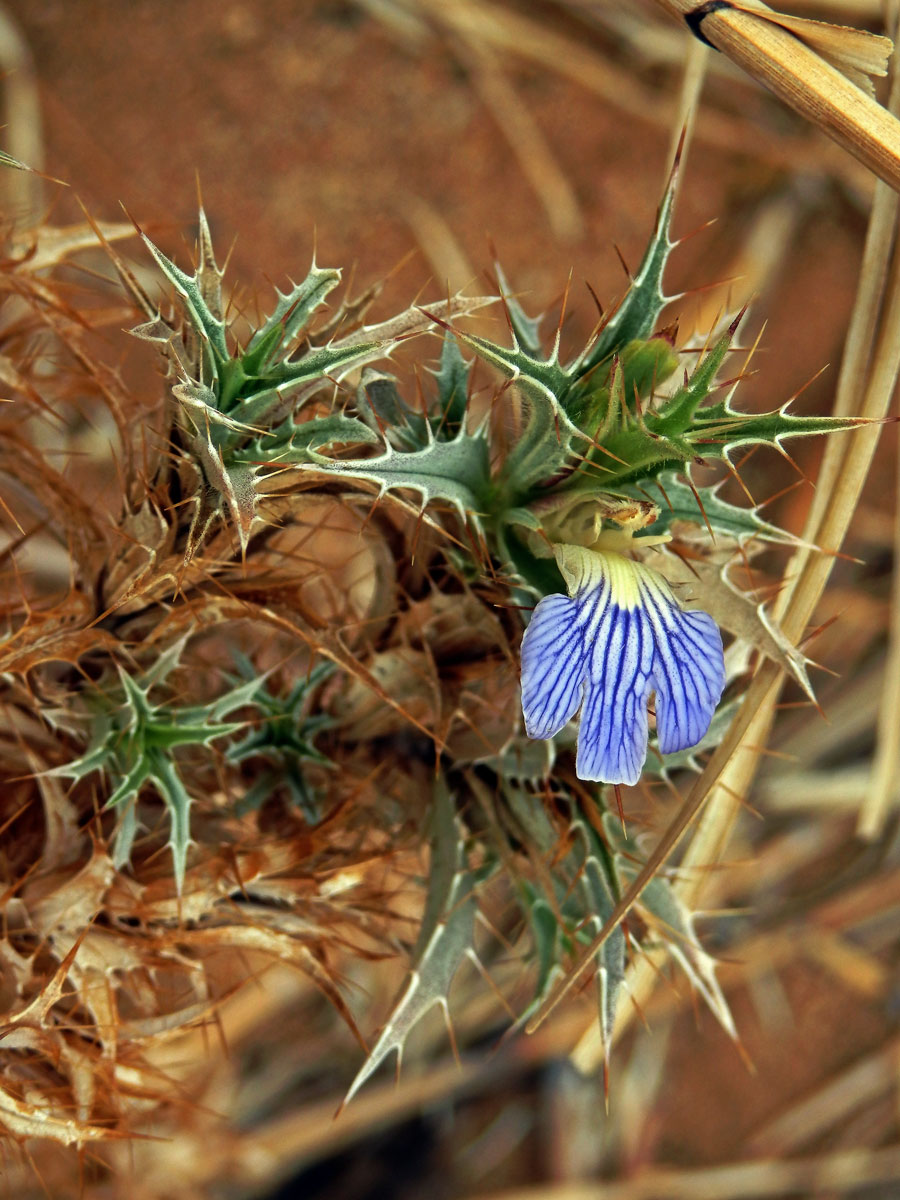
(378, 567)
(133, 741)
(285, 740)
(238, 405)
(559, 511)
(598, 435)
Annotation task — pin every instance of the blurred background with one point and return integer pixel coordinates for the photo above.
(421, 140)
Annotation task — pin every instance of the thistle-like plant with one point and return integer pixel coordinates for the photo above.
(238, 403)
(600, 437)
(563, 531)
(595, 484)
(599, 472)
(283, 737)
(133, 743)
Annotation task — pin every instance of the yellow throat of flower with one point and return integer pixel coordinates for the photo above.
(585, 567)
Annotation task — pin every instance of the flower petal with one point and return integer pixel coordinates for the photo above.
(621, 635)
(688, 669)
(612, 738)
(553, 664)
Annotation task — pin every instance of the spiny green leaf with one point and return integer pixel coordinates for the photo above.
(545, 445)
(634, 446)
(235, 698)
(94, 758)
(457, 472)
(379, 402)
(600, 900)
(719, 429)
(166, 662)
(546, 933)
(542, 380)
(169, 785)
(209, 274)
(675, 925)
(584, 894)
(200, 406)
(137, 707)
(379, 395)
(290, 315)
(680, 502)
(526, 330)
(634, 455)
(642, 454)
(294, 443)
(639, 368)
(133, 742)
(130, 784)
(673, 922)
(231, 482)
(252, 362)
(446, 937)
(284, 737)
(549, 945)
(126, 830)
(675, 416)
(210, 327)
(261, 396)
(452, 378)
(637, 314)
(529, 812)
(239, 491)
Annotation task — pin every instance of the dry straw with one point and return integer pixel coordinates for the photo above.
(814, 67)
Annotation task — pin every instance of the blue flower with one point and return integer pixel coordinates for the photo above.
(619, 635)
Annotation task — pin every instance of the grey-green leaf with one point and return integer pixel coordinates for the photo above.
(294, 444)
(457, 472)
(675, 925)
(525, 329)
(680, 502)
(671, 919)
(293, 311)
(638, 313)
(210, 327)
(599, 898)
(452, 378)
(445, 938)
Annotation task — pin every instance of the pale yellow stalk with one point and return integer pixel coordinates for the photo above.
(805, 81)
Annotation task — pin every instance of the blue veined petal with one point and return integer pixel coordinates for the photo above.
(621, 635)
(553, 659)
(689, 678)
(612, 738)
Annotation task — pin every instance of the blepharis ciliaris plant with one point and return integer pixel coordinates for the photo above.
(302, 631)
